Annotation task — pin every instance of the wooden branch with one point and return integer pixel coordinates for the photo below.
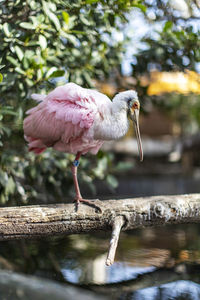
(25, 222)
(117, 225)
(44, 220)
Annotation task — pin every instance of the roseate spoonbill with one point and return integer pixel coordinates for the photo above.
(77, 120)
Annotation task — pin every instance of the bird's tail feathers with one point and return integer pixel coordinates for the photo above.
(36, 150)
(35, 145)
(38, 97)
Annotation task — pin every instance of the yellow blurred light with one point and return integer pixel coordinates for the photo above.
(179, 82)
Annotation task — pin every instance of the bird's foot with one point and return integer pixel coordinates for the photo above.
(87, 202)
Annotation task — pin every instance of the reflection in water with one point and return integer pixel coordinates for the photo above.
(122, 272)
(103, 274)
(153, 263)
(180, 290)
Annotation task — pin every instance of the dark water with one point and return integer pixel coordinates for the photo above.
(166, 261)
(151, 263)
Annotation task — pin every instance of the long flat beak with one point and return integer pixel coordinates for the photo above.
(135, 117)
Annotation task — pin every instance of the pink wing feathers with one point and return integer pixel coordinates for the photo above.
(62, 121)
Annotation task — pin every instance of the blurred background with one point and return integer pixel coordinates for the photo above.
(151, 46)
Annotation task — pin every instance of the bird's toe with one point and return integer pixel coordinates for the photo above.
(87, 202)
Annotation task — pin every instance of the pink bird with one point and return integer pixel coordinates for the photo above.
(77, 120)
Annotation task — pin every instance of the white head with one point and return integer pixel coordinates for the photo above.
(128, 101)
(124, 99)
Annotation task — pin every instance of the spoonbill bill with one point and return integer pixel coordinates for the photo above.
(77, 120)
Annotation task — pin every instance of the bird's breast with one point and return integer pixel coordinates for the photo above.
(111, 127)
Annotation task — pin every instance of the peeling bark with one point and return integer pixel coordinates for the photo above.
(45, 220)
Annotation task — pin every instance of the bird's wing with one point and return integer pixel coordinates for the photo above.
(72, 103)
(65, 115)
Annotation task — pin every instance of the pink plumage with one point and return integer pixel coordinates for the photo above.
(77, 120)
(63, 120)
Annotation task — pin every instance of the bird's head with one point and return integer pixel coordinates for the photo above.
(129, 101)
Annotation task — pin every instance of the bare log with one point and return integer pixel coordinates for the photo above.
(44, 220)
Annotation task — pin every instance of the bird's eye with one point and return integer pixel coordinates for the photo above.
(136, 105)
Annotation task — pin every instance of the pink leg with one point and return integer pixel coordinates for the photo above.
(75, 179)
(78, 197)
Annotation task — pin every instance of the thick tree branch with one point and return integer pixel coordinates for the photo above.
(45, 220)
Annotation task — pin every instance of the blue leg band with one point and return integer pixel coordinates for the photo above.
(76, 163)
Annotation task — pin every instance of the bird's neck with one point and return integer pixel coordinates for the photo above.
(114, 123)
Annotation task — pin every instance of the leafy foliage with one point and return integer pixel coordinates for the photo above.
(45, 43)
(174, 47)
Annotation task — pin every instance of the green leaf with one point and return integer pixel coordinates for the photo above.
(7, 110)
(87, 78)
(7, 130)
(52, 6)
(55, 20)
(168, 25)
(99, 171)
(65, 16)
(91, 1)
(27, 25)
(42, 42)
(19, 52)
(10, 186)
(40, 18)
(84, 20)
(50, 71)
(141, 7)
(1, 77)
(112, 181)
(34, 21)
(3, 178)
(58, 73)
(52, 17)
(29, 82)
(72, 38)
(12, 60)
(20, 189)
(7, 29)
(20, 71)
(78, 32)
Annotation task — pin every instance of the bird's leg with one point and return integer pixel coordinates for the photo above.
(75, 179)
(78, 197)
